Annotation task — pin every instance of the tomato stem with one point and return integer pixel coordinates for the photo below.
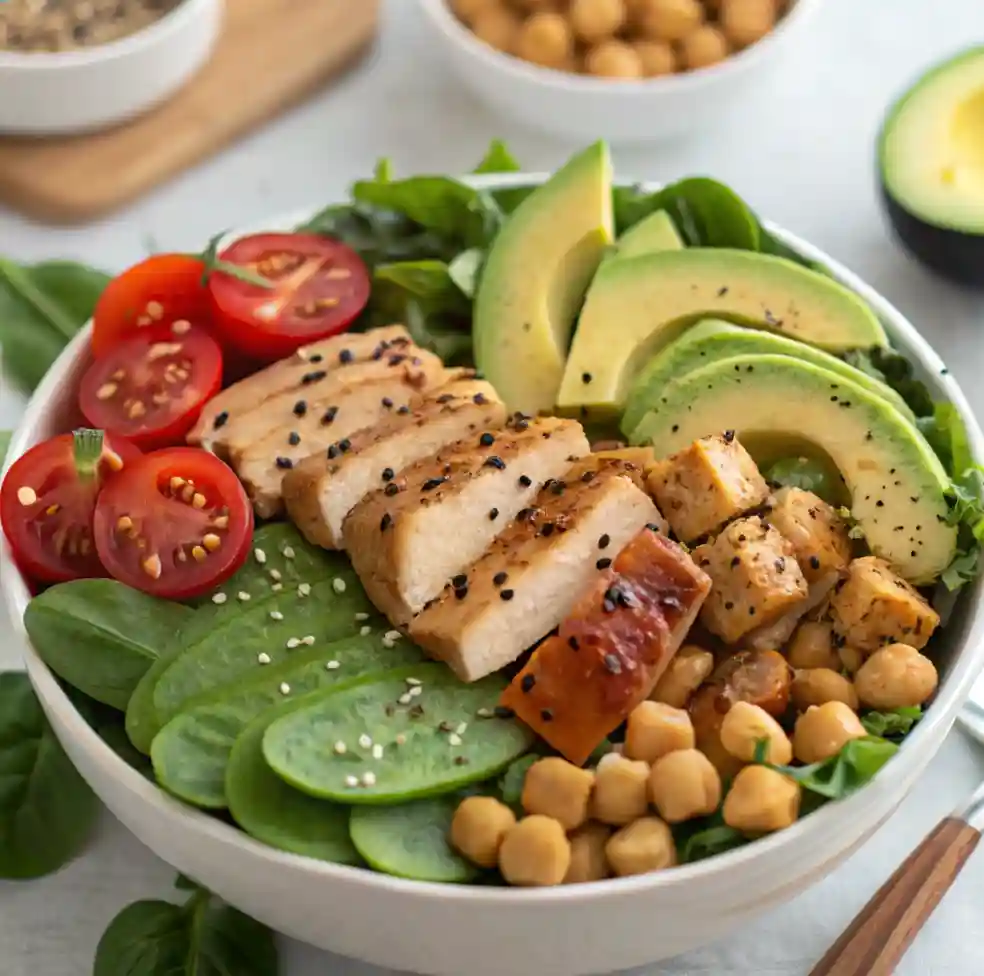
(87, 449)
(212, 264)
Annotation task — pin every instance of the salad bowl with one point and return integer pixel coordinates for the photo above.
(447, 930)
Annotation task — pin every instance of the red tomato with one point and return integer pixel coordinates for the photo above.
(46, 505)
(152, 386)
(163, 289)
(175, 525)
(320, 287)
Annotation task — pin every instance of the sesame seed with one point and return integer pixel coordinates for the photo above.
(388, 474)
(413, 682)
(485, 713)
(493, 461)
(276, 615)
(288, 552)
(284, 463)
(221, 419)
(401, 739)
(486, 440)
(493, 514)
(284, 688)
(274, 574)
(503, 711)
(277, 587)
(585, 378)
(499, 578)
(365, 631)
(462, 728)
(405, 698)
(260, 556)
(385, 522)
(293, 642)
(329, 416)
(369, 779)
(340, 748)
(307, 640)
(573, 643)
(391, 489)
(338, 585)
(415, 691)
(387, 403)
(603, 563)
(304, 589)
(219, 598)
(263, 658)
(454, 739)
(386, 642)
(604, 540)
(242, 595)
(332, 665)
(525, 480)
(293, 438)
(300, 408)
(527, 683)
(546, 714)
(362, 616)
(377, 751)
(351, 781)
(506, 594)
(345, 356)
(392, 635)
(365, 741)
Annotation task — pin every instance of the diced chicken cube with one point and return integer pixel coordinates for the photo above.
(320, 491)
(701, 487)
(213, 426)
(448, 508)
(608, 654)
(756, 579)
(818, 535)
(529, 579)
(874, 606)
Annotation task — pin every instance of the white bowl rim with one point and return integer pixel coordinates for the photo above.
(159, 31)
(442, 17)
(968, 663)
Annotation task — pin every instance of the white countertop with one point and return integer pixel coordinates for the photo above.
(802, 154)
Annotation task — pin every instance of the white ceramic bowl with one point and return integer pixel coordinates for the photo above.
(583, 109)
(485, 931)
(69, 92)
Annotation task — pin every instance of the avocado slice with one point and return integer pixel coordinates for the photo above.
(713, 339)
(931, 165)
(636, 306)
(896, 482)
(652, 234)
(535, 278)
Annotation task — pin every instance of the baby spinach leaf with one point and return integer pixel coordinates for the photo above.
(465, 270)
(101, 636)
(806, 473)
(199, 938)
(498, 159)
(890, 724)
(511, 781)
(711, 841)
(47, 810)
(108, 724)
(837, 777)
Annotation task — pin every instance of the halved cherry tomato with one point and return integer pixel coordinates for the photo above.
(320, 287)
(175, 525)
(152, 386)
(161, 289)
(47, 500)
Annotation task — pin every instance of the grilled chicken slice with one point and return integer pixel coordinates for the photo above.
(407, 541)
(217, 419)
(529, 579)
(608, 654)
(631, 462)
(320, 492)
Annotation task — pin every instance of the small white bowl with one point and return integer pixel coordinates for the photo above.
(582, 108)
(70, 92)
(450, 930)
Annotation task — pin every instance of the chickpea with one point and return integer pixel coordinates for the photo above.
(897, 676)
(613, 59)
(823, 730)
(588, 860)
(537, 6)
(761, 800)
(706, 46)
(657, 58)
(850, 658)
(668, 20)
(683, 676)
(535, 852)
(620, 793)
(746, 21)
(812, 646)
(477, 829)
(546, 39)
(467, 11)
(684, 785)
(558, 789)
(746, 725)
(498, 27)
(821, 685)
(654, 729)
(646, 845)
(597, 20)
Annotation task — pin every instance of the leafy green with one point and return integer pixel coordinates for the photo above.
(711, 841)
(107, 723)
(199, 938)
(511, 781)
(5, 436)
(896, 723)
(47, 810)
(854, 766)
(498, 159)
(806, 473)
(42, 307)
(466, 269)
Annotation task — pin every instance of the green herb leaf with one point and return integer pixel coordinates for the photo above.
(806, 473)
(183, 883)
(384, 170)
(511, 781)
(466, 269)
(837, 777)
(199, 938)
(210, 258)
(47, 810)
(891, 724)
(498, 159)
(711, 841)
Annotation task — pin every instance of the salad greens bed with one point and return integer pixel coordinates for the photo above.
(425, 240)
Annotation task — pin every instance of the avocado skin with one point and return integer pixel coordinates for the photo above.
(951, 254)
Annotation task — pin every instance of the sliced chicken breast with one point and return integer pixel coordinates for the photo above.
(321, 491)
(325, 426)
(291, 374)
(627, 462)
(530, 579)
(439, 515)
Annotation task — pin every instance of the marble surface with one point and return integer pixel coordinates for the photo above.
(802, 153)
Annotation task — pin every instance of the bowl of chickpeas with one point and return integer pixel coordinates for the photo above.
(628, 71)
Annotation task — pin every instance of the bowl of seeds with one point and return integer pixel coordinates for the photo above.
(73, 66)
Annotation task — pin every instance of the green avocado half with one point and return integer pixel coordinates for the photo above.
(931, 166)
(637, 306)
(896, 483)
(711, 340)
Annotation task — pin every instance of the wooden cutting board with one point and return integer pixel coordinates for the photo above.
(271, 54)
